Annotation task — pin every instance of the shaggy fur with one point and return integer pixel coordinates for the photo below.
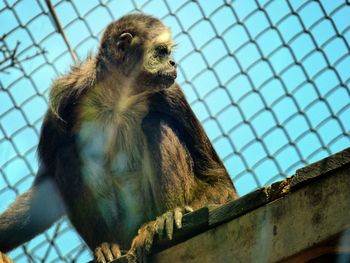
(119, 147)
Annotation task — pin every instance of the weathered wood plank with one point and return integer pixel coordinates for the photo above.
(279, 189)
(238, 207)
(320, 168)
(276, 231)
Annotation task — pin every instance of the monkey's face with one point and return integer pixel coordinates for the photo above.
(141, 50)
(159, 69)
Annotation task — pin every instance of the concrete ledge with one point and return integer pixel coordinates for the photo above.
(303, 218)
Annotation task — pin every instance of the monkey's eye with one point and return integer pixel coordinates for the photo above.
(162, 51)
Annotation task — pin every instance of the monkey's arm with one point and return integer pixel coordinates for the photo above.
(32, 213)
(187, 168)
(174, 109)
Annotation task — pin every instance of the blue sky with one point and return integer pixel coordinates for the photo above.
(269, 80)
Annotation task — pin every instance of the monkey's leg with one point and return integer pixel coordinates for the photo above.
(4, 258)
(107, 252)
(162, 226)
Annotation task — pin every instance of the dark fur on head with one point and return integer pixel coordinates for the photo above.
(120, 57)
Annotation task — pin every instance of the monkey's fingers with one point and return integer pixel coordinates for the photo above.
(165, 223)
(160, 222)
(107, 252)
(178, 217)
(116, 251)
(188, 209)
(4, 258)
(100, 258)
(169, 224)
(178, 214)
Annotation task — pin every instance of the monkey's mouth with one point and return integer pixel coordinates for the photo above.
(168, 77)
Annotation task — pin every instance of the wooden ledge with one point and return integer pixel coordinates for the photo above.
(284, 222)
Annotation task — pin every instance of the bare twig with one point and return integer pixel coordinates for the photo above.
(10, 57)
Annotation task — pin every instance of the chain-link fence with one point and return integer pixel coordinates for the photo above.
(267, 79)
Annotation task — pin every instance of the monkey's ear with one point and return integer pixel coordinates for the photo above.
(124, 40)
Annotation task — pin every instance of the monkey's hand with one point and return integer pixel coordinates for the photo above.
(106, 252)
(4, 258)
(162, 226)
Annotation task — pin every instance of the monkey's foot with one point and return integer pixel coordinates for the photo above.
(4, 258)
(106, 252)
(163, 225)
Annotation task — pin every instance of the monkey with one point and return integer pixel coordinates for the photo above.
(121, 152)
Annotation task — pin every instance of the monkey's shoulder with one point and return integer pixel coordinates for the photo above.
(67, 89)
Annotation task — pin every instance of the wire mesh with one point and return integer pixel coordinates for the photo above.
(269, 80)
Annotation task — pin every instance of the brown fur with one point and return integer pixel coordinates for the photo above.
(120, 144)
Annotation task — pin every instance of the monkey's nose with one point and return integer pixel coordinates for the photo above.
(172, 63)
